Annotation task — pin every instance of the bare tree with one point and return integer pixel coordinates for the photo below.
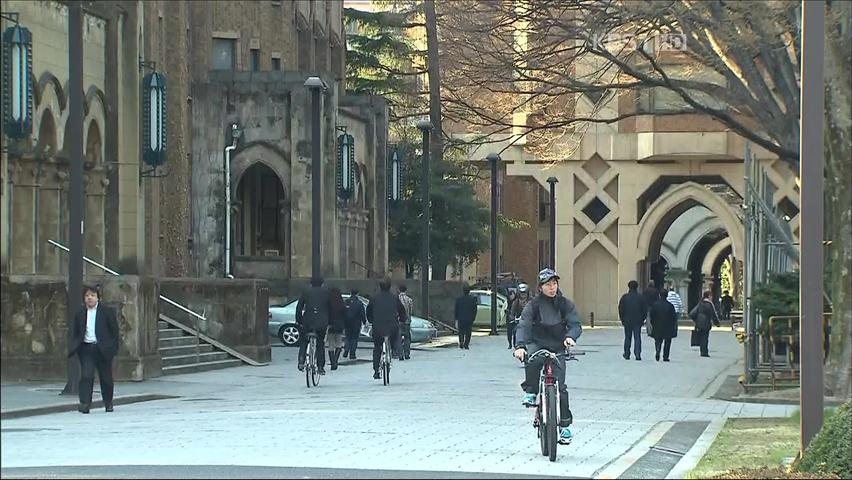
(738, 62)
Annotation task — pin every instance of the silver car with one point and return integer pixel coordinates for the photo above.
(282, 324)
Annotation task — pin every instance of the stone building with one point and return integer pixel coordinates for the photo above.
(227, 64)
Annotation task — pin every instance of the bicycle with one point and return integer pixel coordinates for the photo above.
(312, 375)
(385, 361)
(547, 415)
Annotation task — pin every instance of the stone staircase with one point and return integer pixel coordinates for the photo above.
(178, 352)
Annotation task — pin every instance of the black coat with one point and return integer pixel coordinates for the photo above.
(312, 311)
(384, 312)
(356, 315)
(632, 309)
(106, 331)
(663, 320)
(465, 311)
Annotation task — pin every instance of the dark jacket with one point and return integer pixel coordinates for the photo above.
(312, 310)
(465, 311)
(384, 312)
(336, 313)
(106, 331)
(663, 319)
(518, 306)
(356, 315)
(704, 314)
(547, 322)
(632, 309)
(650, 295)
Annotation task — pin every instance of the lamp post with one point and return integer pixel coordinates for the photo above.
(553, 181)
(76, 212)
(811, 166)
(425, 127)
(316, 85)
(493, 159)
(17, 89)
(395, 177)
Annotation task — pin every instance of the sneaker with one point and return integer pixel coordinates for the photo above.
(321, 371)
(376, 375)
(301, 367)
(565, 436)
(530, 400)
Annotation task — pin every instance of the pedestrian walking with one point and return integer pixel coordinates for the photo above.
(384, 312)
(465, 313)
(336, 325)
(632, 311)
(405, 324)
(727, 304)
(704, 315)
(95, 341)
(674, 298)
(663, 326)
(356, 316)
(520, 301)
(312, 315)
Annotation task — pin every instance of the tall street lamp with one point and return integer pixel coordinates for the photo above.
(17, 88)
(425, 127)
(494, 159)
(811, 164)
(553, 181)
(316, 85)
(76, 213)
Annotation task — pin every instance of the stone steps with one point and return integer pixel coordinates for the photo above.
(178, 353)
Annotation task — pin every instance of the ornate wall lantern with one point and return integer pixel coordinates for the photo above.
(154, 119)
(17, 87)
(345, 166)
(395, 176)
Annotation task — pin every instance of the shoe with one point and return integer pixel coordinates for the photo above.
(530, 400)
(408, 358)
(83, 409)
(108, 407)
(301, 367)
(353, 357)
(665, 359)
(466, 347)
(321, 371)
(334, 367)
(626, 356)
(510, 347)
(565, 436)
(708, 355)
(401, 359)
(638, 358)
(657, 356)
(376, 375)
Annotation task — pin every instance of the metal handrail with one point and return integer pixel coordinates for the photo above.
(197, 316)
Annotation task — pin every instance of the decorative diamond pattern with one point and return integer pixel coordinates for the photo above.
(596, 210)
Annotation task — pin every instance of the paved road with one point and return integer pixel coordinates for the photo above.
(446, 410)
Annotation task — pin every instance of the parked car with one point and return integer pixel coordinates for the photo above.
(483, 308)
(282, 324)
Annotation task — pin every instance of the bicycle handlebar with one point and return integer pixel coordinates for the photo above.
(568, 354)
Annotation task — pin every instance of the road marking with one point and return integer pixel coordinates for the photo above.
(622, 463)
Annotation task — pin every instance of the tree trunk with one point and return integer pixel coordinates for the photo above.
(838, 162)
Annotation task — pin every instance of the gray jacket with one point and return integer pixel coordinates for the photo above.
(547, 322)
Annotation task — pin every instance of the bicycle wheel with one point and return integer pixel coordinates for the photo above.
(310, 362)
(386, 365)
(315, 376)
(539, 425)
(550, 424)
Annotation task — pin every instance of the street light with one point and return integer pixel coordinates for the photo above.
(425, 127)
(345, 165)
(494, 159)
(395, 177)
(154, 119)
(17, 88)
(316, 85)
(553, 181)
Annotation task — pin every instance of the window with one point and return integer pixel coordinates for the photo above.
(255, 60)
(224, 54)
(276, 63)
(269, 194)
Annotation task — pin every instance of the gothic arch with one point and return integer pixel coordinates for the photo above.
(261, 152)
(675, 201)
(713, 256)
(51, 100)
(46, 139)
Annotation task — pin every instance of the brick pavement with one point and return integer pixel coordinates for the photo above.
(445, 410)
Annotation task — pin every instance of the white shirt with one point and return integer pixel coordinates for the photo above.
(91, 315)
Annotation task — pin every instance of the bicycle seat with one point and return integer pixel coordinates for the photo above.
(311, 334)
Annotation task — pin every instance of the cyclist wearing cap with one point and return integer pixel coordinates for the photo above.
(518, 305)
(549, 321)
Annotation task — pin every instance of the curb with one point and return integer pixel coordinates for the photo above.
(694, 455)
(72, 407)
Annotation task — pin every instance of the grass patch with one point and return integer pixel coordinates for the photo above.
(747, 443)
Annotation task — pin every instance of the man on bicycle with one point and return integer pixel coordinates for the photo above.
(312, 316)
(549, 321)
(385, 312)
